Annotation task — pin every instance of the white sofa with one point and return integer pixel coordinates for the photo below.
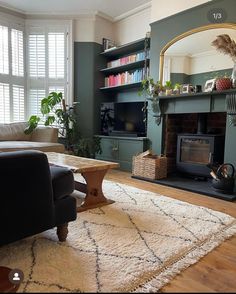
(13, 138)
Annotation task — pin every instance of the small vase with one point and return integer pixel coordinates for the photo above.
(233, 77)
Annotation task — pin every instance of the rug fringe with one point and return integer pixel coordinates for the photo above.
(155, 283)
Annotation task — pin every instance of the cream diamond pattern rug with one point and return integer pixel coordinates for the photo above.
(137, 244)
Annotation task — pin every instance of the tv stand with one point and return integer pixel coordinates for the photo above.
(126, 134)
(121, 149)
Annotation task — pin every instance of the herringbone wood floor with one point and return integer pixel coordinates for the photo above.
(216, 272)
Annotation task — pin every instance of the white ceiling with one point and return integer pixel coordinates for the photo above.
(111, 8)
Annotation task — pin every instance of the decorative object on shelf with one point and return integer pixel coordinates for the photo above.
(210, 85)
(186, 89)
(231, 108)
(224, 44)
(177, 88)
(108, 44)
(223, 83)
(197, 89)
(169, 88)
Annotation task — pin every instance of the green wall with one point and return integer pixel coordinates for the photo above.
(198, 79)
(87, 81)
(165, 30)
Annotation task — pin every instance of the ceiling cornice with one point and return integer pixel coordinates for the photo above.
(81, 14)
(132, 12)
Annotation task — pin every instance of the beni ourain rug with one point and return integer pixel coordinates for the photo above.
(137, 244)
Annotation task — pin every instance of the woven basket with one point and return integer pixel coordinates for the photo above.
(150, 166)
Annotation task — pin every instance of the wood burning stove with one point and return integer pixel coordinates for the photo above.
(195, 151)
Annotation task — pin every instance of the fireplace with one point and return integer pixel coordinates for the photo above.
(195, 151)
(194, 140)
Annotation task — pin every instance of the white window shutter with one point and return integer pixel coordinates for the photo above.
(4, 55)
(4, 103)
(56, 55)
(35, 97)
(36, 49)
(18, 103)
(17, 53)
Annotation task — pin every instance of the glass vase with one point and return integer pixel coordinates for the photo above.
(233, 77)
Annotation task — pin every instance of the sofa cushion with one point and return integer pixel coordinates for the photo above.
(14, 132)
(29, 145)
(62, 181)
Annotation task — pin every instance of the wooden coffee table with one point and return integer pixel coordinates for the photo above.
(92, 170)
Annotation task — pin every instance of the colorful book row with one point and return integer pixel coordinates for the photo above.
(125, 78)
(127, 59)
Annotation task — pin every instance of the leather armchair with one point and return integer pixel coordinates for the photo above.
(34, 196)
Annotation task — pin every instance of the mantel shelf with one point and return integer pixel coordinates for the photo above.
(202, 94)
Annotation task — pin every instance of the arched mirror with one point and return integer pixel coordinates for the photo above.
(191, 59)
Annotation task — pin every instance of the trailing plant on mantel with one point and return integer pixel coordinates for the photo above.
(150, 90)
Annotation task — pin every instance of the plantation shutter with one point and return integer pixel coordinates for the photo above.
(36, 55)
(18, 103)
(47, 64)
(12, 93)
(4, 56)
(4, 103)
(56, 46)
(17, 53)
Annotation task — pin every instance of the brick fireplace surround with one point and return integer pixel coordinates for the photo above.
(187, 123)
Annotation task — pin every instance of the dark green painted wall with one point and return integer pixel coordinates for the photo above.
(87, 81)
(198, 79)
(165, 30)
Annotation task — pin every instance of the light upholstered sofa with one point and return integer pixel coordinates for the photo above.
(13, 138)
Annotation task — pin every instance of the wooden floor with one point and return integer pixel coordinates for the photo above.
(216, 272)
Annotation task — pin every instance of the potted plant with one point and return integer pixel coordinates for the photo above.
(177, 88)
(55, 112)
(151, 90)
(169, 88)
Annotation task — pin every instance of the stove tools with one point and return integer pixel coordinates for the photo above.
(223, 177)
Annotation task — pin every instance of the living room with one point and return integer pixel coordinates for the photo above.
(130, 234)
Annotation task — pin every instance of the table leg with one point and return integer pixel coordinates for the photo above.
(94, 194)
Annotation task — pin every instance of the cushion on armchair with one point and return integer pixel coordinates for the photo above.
(62, 181)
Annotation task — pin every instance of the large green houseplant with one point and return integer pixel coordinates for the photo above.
(55, 112)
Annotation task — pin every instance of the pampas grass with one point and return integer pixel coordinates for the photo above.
(226, 45)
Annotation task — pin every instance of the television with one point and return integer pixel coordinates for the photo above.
(129, 119)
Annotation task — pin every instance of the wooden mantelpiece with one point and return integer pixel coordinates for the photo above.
(194, 103)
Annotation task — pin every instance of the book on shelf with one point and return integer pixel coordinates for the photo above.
(108, 44)
(127, 59)
(125, 78)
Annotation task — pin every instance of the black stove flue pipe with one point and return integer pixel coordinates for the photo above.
(202, 123)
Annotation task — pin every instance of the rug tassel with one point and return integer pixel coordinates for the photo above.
(155, 283)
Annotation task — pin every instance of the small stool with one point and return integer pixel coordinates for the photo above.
(5, 285)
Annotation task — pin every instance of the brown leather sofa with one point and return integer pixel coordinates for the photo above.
(13, 138)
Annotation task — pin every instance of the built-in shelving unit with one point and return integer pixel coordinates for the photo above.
(127, 65)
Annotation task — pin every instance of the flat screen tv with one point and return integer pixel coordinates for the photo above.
(129, 119)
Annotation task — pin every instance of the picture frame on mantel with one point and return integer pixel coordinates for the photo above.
(209, 85)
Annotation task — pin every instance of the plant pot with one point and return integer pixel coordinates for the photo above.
(223, 84)
(169, 92)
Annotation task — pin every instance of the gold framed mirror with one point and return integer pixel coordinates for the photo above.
(209, 33)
